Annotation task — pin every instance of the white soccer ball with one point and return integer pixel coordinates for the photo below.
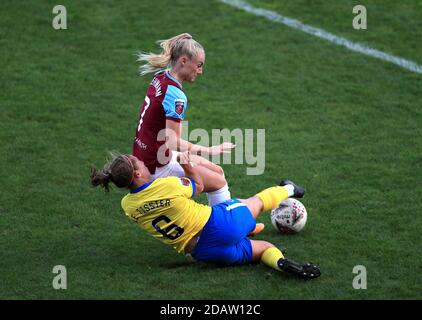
(289, 217)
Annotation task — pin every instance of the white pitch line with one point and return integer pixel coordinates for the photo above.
(296, 24)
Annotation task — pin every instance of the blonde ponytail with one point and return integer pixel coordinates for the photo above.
(172, 49)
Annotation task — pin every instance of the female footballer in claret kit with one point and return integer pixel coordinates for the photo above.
(158, 134)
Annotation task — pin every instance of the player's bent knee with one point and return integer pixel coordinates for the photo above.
(220, 182)
(219, 170)
(211, 179)
(217, 183)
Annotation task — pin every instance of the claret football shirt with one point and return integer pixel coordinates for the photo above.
(165, 99)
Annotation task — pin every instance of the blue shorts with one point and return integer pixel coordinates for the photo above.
(224, 238)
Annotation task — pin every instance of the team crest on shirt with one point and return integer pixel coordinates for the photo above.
(179, 105)
(185, 181)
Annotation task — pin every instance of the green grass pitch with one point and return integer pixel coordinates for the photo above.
(346, 126)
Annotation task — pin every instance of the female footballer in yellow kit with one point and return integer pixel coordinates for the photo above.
(164, 208)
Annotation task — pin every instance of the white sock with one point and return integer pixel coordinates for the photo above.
(218, 196)
(290, 189)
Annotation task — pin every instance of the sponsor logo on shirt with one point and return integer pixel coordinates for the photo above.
(140, 144)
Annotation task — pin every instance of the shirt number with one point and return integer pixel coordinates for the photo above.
(141, 120)
(172, 232)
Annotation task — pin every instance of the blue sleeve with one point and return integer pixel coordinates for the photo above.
(193, 186)
(175, 103)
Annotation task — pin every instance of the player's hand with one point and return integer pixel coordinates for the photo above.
(225, 147)
(184, 158)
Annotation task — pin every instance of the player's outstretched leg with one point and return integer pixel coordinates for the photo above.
(302, 270)
(298, 191)
(270, 198)
(268, 254)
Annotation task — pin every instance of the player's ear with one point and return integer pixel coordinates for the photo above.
(183, 59)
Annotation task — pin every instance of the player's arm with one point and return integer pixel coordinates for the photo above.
(174, 106)
(191, 171)
(175, 142)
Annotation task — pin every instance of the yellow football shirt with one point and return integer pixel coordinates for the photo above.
(164, 209)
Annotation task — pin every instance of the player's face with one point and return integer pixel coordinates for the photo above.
(193, 67)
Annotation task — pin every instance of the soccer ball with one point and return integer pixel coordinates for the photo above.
(289, 217)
